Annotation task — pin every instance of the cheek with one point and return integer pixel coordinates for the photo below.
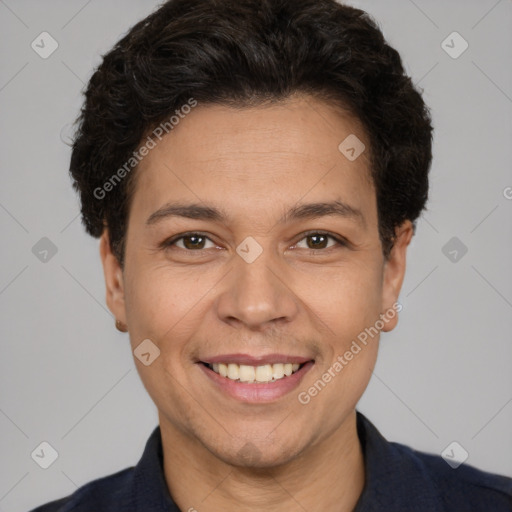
(160, 302)
(347, 300)
(158, 309)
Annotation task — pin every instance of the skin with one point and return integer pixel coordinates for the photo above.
(202, 299)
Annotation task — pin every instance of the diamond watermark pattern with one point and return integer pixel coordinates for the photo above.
(44, 455)
(249, 249)
(44, 250)
(250, 453)
(44, 45)
(454, 454)
(454, 250)
(352, 147)
(146, 352)
(454, 45)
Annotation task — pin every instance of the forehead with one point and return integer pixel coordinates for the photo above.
(262, 157)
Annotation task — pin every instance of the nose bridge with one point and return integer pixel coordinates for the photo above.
(256, 268)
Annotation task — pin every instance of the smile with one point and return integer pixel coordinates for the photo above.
(255, 380)
(254, 374)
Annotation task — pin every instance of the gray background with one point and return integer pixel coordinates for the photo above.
(67, 376)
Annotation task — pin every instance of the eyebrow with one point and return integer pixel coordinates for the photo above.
(299, 212)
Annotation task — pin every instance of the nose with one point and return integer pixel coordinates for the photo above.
(257, 293)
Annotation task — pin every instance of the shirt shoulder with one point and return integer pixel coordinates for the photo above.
(109, 493)
(465, 487)
(139, 488)
(401, 479)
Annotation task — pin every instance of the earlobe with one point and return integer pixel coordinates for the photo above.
(394, 271)
(114, 279)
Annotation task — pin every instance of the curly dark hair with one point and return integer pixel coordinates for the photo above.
(242, 53)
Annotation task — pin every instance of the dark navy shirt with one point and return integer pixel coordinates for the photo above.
(398, 479)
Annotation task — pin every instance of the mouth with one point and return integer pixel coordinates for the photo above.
(254, 380)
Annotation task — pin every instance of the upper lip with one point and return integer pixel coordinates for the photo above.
(249, 360)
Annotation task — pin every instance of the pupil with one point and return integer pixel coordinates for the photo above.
(316, 237)
(188, 238)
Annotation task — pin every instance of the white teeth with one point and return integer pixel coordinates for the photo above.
(264, 373)
(233, 371)
(278, 371)
(246, 373)
(251, 374)
(223, 369)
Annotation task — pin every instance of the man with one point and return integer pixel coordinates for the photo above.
(254, 170)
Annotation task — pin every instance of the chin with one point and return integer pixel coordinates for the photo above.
(254, 455)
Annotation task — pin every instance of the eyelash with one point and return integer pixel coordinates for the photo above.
(172, 241)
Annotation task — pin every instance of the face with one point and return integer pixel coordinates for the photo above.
(254, 279)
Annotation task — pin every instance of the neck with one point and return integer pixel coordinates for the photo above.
(328, 476)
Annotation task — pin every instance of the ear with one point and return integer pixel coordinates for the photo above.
(394, 271)
(114, 280)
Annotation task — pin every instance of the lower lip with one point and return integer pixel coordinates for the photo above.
(257, 392)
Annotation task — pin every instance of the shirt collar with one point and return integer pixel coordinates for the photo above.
(149, 489)
(393, 479)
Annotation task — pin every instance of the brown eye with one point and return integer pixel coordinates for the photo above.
(190, 242)
(318, 240)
